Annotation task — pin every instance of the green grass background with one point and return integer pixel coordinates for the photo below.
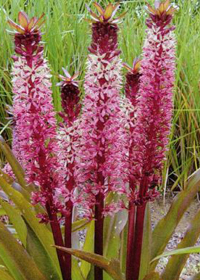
(67, 36)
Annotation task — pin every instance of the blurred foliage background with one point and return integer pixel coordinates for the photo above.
(67, 36)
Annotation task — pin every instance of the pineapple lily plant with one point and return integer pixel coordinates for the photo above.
(98, 169)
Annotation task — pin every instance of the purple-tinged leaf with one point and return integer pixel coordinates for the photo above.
(16, 26)
(112, 267)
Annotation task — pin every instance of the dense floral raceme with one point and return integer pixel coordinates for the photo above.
(35, 125)
(130, 104)
(102, 165)
(34, 142)
(68, 139)
(154, 108)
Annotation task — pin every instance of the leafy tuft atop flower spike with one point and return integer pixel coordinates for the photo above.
(136, 66)
(161, 9)
(26, 25)
(70, 96)
(68, 79)
(105, 15)
(132, 81)
(27, 36)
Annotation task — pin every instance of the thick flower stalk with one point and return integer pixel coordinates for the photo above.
(34, 119)
(154, 114)
(102, 166)
(68, 141)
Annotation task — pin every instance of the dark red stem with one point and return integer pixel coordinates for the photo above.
(57, 235)
(139, 226)
(68, 221)
(98, 236)
(68, 239)
(130, 242)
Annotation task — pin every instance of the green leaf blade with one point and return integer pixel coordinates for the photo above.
(20, 259)
(167, 224)
(29, 215)
(16, 220)
(176, 263)
(188, 250)
(39, 254)
(4, 275)
(88, 247)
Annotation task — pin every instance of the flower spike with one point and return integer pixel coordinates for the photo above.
(35, 143)
(152, 125)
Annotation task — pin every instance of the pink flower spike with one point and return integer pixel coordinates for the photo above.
(34, 124)
(102, 157)
(155, 103)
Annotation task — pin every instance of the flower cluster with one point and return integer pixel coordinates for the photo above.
(154, 107)
(115, 149)
(68, 139)
(34, 139)
(130, 104)
(102, 166)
